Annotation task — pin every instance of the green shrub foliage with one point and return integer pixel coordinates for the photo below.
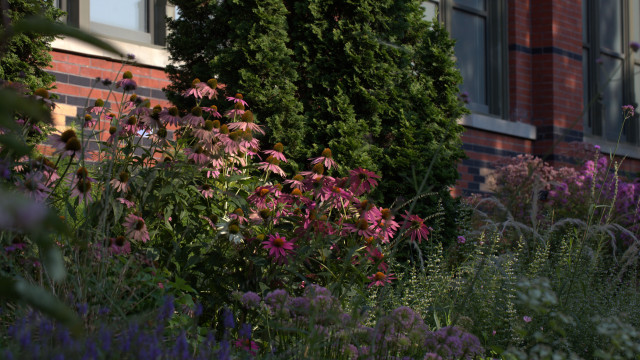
(26, 56)
(369, 79)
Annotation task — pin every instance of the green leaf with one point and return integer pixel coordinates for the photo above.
(43, 26)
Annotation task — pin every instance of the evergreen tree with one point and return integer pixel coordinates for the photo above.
(369, 79)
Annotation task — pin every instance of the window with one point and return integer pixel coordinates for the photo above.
(479, 27)
(611, 72)
(141, 21)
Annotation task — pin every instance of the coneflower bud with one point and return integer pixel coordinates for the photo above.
(238, 212)
(213, 83)
(238, 106)
(127, 75)
(132, 120)
(112, 130)
(296, 192)
(68, 134)
(99, 103)
(196, 111)
(157, 109)
(238, 96)
(133, 98)
(278, 147)
(224, 129)
(82, 172)
(326, 153)
(42, 92)
(87, 118)
(173, 111)
(124, 176)
(247, 116)
(318, 169)
(216, 124)
(208, 125)
(195, 82)
(73, 144)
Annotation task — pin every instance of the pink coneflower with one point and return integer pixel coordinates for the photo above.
(361, 227)
(375, 255)
(133, 101)
(129, 204)
(121, 183)
(119, 246)
(238, 110)
(194, 90)
(272, 164)
(89, 121)
(197, 155)
(33, 186)
(415, 227)
(210, 88)
(152, 119)
(170, 116)
(114, 134)
(59, 141)
(71, 147)
(380, 279)
(213, 111)
(387, 226)
(98, 107)
(206, 134)
(136, 228)
(279, 248)
(206, 191)
(277, 152)
(238, 99)
(237, 216)
(81, 188)
(246, 123)
(296, 182)
(130, 125)
(369, 211)
(362, 180)
(232, 142)
(127, 83)
(159, 137)
(194, 118)
(325, 159)
(249, 144)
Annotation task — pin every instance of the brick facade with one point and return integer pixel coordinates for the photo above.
(545, 90)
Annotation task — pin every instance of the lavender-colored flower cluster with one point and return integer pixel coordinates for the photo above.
(452, 343)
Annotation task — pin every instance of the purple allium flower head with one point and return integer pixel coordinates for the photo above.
(527, 319)
(250, 299)
(634, 45)
(224, 351)
(131, 56)
(461, 240)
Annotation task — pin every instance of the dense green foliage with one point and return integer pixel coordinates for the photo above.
(26, 56)
(369, 79)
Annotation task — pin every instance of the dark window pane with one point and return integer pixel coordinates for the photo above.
(585, 88)
(610, 18)
(611, 85)
(469, 32)
(476, 4)
(585, 22)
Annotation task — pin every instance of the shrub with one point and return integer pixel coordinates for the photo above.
(371, 80)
